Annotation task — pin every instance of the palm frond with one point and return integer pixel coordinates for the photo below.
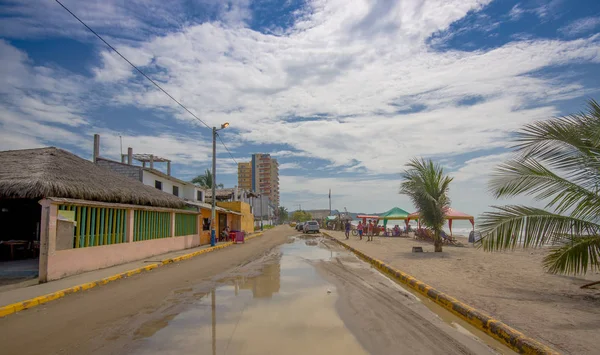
(529, 177)
(569, 143)
(576, 256)
(508, 226)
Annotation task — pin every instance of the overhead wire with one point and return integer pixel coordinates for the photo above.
(143, 74)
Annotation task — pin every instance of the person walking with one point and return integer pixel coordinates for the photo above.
(347, 227)
(370, 231)
(360, 228)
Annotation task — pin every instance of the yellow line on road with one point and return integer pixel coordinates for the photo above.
(491, 326)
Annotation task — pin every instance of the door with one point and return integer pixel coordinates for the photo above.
(222, 222)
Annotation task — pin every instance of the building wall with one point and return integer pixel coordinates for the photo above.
(246, 220)
(130, 171)
(63, 263)
(245, 175)
(167, 185)
(265, 176)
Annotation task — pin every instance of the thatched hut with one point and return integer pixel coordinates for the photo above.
(27, 176)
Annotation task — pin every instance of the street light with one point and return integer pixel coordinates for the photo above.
(213, 233)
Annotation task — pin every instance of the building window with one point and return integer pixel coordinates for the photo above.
(158, 184)
(199, 195)
(205, 223)
(176, 190)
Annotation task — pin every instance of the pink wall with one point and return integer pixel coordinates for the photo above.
(63, 263)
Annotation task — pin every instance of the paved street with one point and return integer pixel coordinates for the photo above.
(280, 294)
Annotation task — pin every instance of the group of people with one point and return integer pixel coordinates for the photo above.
(361, 229)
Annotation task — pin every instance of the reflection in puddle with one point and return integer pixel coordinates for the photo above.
(285, 308)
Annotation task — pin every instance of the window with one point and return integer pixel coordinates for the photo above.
(205, 223)
(158, 184)
(176, 190)
(199, 195)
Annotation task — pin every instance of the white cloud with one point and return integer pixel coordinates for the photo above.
(580, 26)
(289, 166)
(329, 87)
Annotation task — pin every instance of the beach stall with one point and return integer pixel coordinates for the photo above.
(395, 213)
(451, 214)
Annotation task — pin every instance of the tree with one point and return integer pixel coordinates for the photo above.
(301, 216)
(557, 162)
(205, 181)
(283, 214)
(426, 185)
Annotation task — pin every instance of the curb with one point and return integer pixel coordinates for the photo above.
(507, 335)
(30, 303)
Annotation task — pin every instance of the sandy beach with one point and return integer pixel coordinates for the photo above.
(511, 286)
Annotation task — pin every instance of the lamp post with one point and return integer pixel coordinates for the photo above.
(261, 212)
(213, 218)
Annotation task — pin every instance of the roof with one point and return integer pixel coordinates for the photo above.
(209, 206)
(169, 177)
(228, 192)
(367, 216)
(150, 157)
(52, 172)
(395, 213)
(451, 213)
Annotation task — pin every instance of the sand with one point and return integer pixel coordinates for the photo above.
(511, 286)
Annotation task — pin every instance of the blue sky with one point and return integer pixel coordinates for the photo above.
(342, 92)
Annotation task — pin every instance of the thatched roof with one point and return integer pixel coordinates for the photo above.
(53, 172)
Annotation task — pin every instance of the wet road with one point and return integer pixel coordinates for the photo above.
(304, 296)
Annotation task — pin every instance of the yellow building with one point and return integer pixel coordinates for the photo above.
(245, 221)
(245, 176)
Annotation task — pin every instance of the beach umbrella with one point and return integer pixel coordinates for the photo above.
(395, 213)
(451, 214)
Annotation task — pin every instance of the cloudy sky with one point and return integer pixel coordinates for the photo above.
(342, 92)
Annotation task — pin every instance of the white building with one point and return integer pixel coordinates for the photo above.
(149, 175)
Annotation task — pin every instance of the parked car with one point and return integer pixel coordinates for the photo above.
(311, 227)
(300, 226)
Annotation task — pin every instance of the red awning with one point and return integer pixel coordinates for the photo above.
(451, 214)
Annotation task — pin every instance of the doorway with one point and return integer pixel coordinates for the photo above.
(222, 222)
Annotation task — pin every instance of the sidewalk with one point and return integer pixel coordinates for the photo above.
(511, 286)
(10, 296)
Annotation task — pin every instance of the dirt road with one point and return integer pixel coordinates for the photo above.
(275, 294)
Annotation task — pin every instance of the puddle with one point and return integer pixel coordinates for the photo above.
(285, 309)
(279, 304)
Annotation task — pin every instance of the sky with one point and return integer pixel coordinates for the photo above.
(343, 93)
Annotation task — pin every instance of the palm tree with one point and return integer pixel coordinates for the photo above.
(205, 181)
(557, 162)
(427, 186)
(283, 214)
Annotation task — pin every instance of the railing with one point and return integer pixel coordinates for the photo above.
(185, 224)
(97, 226)
(149, 225)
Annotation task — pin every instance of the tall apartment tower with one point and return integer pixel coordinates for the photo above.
(260, 175)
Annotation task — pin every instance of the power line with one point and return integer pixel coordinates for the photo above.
(136, 68)
(231, 155)
(143, 74)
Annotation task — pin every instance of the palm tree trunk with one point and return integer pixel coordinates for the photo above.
(437, 241)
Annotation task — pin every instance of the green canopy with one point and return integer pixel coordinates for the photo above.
(394, 213)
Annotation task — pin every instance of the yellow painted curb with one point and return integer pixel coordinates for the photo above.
(491, 326)
(30, 303)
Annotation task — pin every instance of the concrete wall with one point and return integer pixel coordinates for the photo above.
(56, 263)
(130, 171)
(246, 220)
(63, 263)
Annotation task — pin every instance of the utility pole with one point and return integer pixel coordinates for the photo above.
(213, 218)
(330, 202)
